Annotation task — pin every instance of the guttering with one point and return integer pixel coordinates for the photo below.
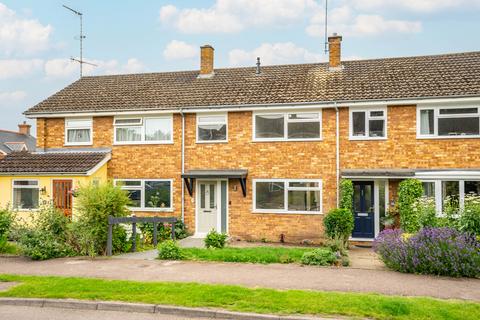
(183, 164)
(337, 151)
(262, 107)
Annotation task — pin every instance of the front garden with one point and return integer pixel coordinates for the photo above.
(431, 243)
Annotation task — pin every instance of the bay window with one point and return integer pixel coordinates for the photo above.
(78, 131)
(148, 194)
(140, 130)
(450, 193)
(212, 128)
(287, 126)
(368, 124)
(287, 196)
(26, 194)
(448, 122)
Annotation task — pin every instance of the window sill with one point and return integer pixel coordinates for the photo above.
(288, 140)
(367, 139)
(151, 209)
(447, 137)
(141, 143)
(77, 144)
(286, 212)
(211, 142)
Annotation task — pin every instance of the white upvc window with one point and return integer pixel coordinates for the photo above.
(26, 194)
(287, 126)
(448, 122)
(143, 130)
(78, 132)
(287, 196)
(368, 124)
(451, 190)
(148, 194)
(212, 128)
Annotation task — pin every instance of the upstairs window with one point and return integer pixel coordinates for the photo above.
(212, 128)
(140, 130)
(78, 131)
(287, 126)
(368, 124)
(448, 122)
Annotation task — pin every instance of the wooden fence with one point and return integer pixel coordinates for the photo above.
(134, 220)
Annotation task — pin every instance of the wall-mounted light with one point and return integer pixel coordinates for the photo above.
(43, 190)
(235, 187)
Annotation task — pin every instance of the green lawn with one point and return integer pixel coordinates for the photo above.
(9, 248)
(238, 298)
(253, 255)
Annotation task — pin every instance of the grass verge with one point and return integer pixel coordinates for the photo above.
(251, 255)
(243, 299)
(9, 248)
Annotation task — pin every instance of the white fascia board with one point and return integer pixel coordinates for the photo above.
(256, 107)
(446, 175)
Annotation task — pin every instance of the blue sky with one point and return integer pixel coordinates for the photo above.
(37, 37)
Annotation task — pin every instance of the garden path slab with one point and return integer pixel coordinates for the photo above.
(276, 276)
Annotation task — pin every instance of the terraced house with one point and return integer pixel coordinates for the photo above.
(258, 152)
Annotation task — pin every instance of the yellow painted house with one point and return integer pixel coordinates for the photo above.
(30, 180)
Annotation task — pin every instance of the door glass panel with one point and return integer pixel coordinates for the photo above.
(357, 204)
(450, 193)
(202, 196)
(212, 196)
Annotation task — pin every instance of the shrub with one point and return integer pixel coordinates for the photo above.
(6, 221)
(339, 224)
(469, 220)
(164, 231)
(94, 204)
(319, 257)
(439, 251)
(215, 240)
(169, 250)
(346, 194)
(46, 237)
(409, 191)
(425, 212)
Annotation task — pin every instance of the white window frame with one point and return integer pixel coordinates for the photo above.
(26, 187)
(437, 115)
(89, 127)
(143, 126)
(225, 122)
(285, 125)
(142, 194)
(367, 122)
(286, 189)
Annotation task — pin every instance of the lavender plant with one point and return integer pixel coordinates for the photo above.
(438, 251)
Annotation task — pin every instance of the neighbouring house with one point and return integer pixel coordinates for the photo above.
(258, 152)
(11, 141)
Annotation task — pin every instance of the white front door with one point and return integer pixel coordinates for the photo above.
(207, 204)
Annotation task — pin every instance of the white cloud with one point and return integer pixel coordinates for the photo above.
(227, 16)
(424, 6)
(12, 96)
(178, 50)
(345, 21)
(19, 35)
(274, 53)
(13, 68)
(65, 68)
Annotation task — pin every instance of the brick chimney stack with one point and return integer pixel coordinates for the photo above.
(206, 61)
(24, 128)
(335, 50)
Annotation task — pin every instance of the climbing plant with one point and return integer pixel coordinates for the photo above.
(409, 191)
(346, 195)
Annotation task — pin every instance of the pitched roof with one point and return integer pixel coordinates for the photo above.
(10, 140)
(53, 162)
(391, 78)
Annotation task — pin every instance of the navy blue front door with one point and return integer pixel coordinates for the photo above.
(363, 209)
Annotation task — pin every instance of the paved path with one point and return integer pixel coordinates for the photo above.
(35, 313)
(252, 275)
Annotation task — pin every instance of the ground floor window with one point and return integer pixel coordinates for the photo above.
(287, 195)
(148, 194)
(450, 193)
(25, 194)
